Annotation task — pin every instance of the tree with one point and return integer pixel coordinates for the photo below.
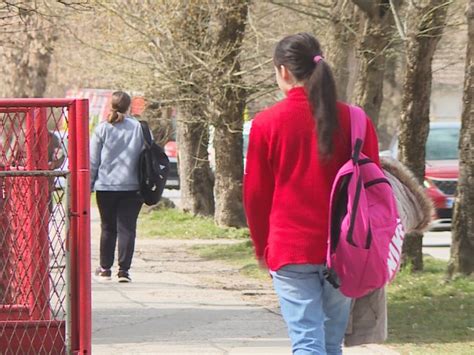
(426, 20)
(184, 47)
(462, 246)
(336, 21)
(365, 26)
(159, 118)
(375, 42)
(341, 45)
(192, 52)
(28, 43)
(227, 102)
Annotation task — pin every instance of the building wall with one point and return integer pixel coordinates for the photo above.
(446, 102)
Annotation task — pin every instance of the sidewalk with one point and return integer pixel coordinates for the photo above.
(168, 310)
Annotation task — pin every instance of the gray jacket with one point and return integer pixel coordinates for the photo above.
(114, 153)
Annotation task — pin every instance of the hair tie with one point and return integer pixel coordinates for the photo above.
(317, 58)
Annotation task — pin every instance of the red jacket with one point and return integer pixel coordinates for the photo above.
(286, 187)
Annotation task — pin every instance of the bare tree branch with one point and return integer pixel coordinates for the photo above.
(398, 23)
(365, 5)
(326, 15)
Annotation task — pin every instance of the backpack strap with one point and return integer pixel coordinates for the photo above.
(146, 134)
(358, 130)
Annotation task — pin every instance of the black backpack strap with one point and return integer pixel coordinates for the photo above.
(146, 133)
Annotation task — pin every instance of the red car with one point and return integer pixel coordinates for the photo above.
(442, 169)
(171, 150)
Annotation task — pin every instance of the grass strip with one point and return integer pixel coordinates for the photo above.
(429, 315)
(171, 223)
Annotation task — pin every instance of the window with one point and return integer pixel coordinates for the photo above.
(442, 144)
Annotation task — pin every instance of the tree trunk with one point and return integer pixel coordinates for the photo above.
(462, 246)
(424, 32)
(195, 174)
(28, 56)
(376, 38)
(412, 256)
(42, 50)
(229, 104)
(17, 73)
(390, 111)
(228, 145)
(341, 45)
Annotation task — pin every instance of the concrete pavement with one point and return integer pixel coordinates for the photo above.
(173, 307)
(171, 312)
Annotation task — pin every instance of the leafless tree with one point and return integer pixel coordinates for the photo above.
(336, 22)
(375, 43)
(227, 103)
(426, 20)
(462, 246)
(182, 51)
(27, 35)
(359, 39)
(191, 52)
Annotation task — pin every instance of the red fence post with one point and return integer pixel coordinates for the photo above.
(71, 243)
(84, 257)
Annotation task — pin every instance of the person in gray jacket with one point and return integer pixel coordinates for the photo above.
(115, 149)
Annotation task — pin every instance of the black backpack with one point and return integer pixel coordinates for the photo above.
(153, 168)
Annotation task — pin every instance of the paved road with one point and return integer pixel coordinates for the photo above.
(173, 195)
(437, 244)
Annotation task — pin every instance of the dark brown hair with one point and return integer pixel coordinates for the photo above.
(120, 104)
(296, 53)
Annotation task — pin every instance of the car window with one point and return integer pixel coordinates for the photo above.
(442, 144)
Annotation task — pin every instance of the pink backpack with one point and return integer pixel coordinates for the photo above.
(365, 231)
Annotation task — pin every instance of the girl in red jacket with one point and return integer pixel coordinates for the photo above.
(295, 150)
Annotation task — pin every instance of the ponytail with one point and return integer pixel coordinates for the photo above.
(301, 54)
(120, 104)
(115, 116)
(321, 91)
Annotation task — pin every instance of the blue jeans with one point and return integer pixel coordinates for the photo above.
(315, 313)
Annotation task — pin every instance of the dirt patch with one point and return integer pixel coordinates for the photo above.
(170, 255)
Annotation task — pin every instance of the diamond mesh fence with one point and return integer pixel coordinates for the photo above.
(34, 228)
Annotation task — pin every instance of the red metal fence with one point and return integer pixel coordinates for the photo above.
(45, 292)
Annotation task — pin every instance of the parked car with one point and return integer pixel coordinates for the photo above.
(171, 150)
(442, 169)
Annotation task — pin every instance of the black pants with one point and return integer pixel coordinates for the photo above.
(118, 213)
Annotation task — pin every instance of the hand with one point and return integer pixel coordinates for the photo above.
(262, 263)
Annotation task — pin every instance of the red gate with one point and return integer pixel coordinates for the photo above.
(45, 288)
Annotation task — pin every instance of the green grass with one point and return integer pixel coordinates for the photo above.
(175, 224)
(427, 315)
